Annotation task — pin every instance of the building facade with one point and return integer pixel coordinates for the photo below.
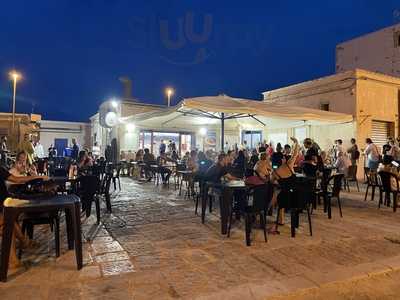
(377, 52)
(59, 134)
(372, 98)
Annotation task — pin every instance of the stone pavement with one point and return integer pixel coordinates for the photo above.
(154, 247)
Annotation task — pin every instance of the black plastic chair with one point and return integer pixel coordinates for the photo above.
(104, 189)
(14, 207)
(337, 180)
(261, 196)
(386, 187)
(351, 177)
(302, 198)
(87, 189)
(115, 177)
(372, 182)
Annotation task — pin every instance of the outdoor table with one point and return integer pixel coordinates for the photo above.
(225, 204)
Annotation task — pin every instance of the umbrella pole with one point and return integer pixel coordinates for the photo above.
(222, 131)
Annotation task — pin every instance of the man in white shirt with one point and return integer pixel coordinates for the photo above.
(38, 148)
(372, 154)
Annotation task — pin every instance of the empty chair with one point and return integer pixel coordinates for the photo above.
(261, 199)
(87, 188)
(334, 193)
(351, 177)
(389, 187)
(372, 182)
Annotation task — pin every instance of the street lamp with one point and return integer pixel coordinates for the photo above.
(14, 75)
(169, 92)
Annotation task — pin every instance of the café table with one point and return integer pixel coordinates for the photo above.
(227, 190)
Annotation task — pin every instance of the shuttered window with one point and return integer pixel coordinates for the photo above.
(380, 132)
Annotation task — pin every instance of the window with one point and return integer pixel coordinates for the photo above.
(300, 133)
(325, 106)
(276, 138)
(397, 39)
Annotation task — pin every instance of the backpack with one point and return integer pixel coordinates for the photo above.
(356, 155)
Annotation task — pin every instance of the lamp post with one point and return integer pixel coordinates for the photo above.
(169, 92)
(14, 77)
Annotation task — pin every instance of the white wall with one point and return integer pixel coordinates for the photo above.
(50, 130)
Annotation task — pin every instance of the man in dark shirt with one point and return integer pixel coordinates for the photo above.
(75, 150)
(219, 170)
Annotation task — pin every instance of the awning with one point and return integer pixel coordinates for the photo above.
(218, 109)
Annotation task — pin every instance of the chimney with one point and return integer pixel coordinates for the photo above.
(127, 83)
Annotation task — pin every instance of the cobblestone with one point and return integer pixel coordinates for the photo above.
(153, 246)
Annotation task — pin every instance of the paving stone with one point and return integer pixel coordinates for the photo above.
(117, 267)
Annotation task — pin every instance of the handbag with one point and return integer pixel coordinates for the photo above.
(254, 180)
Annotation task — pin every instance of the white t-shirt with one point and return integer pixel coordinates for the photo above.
(372, 152)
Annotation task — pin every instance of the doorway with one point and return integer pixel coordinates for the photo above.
(60, 145)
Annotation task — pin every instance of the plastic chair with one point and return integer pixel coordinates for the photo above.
(14, 207)
(387, 178)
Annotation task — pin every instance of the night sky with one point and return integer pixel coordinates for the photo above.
(71, 53)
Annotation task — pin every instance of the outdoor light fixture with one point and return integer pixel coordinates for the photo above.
(14, 76)
(114, 103)
(111, 119)
(203, 131)
(130, 127)
(169, 92)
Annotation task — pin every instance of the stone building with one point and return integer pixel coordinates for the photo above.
(377, 51)
(372, 98)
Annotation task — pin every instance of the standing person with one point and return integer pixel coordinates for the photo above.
(75, 150)
(162, 147)
(3, 150)
(353, 152)
(387, 147)
(339, 147)
(342, 163)
(27, 147)
(39, 151)
(372, 153)
(394, 150)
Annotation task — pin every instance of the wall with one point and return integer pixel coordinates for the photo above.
(49, 130)
(337, 90)
(377, 99)
(376, 52)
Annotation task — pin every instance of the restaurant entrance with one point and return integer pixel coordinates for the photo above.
(152, 140)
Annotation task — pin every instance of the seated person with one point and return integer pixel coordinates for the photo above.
(83, 163)
(263, 167)
(5, 176)
(139, 155)
(342, 163)
(186, 157)
(174, 156)
(148, 159)
(164, 171)
(219, 170)
(387, 166)
(253, 158)
(285, 176)
(21, 167)
(239, 165)
(309, 166)
(286, 151)
(191, 163)
(204, 163)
